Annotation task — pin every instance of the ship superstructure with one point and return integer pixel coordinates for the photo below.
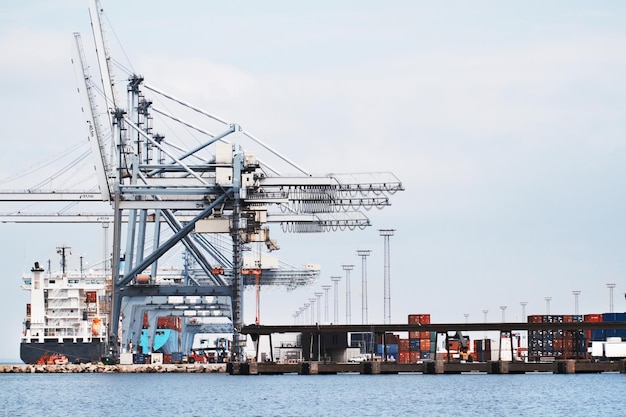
(67, 314)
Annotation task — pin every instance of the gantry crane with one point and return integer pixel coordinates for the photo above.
(213, 187)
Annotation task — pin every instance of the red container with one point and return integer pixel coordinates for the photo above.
(593, 318)
(535, 319)
(404, 357)
(390, 339)
(415, 357)
(419, 318)
(568, 318)
(403, 345)
(425, 344)
(414, 335)
(167, 358)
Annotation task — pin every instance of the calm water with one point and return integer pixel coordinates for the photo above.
(321, 395)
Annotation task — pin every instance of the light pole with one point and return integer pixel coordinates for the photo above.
(576, 294)
(548, 305)
(348, 268)
(335, 281)
(523, 304)
(363, 253)
(485, 315)
(466, 315)
(503, 308)
(312, 301)
(611, 287)
(326, 288)
(386, 233)
(319, 306)
(306, 313)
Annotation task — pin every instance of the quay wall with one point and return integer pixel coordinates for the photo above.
(100, 368)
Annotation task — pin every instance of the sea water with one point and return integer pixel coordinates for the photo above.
(312, 395)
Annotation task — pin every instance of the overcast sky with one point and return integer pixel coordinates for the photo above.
(504, 121)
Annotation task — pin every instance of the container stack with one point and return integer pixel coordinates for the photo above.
(556, 343)
(482, 350)
(603, 335)
(421, 344)
(392, 342)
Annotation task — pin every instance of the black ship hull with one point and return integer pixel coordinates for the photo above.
(92, 351)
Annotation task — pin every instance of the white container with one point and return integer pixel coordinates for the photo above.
(615, 350)
(126, 358)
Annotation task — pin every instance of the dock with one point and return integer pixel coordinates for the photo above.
(437, 367)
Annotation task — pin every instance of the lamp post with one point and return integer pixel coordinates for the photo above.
(335, 281)
(319, 306)
(312, 301)
(523, 304)
(548, 305)
(386, 233)
(466, 315)
(364, 253)
(611, 287)
(348, 268)
(503, 308)
(576, 294)
(326, 288)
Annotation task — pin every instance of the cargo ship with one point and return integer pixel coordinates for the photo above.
(67, 314)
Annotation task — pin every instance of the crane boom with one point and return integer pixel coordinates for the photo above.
(94, 130)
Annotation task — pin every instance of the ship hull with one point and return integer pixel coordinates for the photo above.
(31, 352)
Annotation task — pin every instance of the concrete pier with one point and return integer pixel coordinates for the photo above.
(438, 367)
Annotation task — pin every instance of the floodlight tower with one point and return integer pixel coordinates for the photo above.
(307, 311)
(312, 301)
(348, 268)
(466, 315)
(503, 308)
(611, 287)
(319, 305)
(326, 288)
(576, 294)
(386, 233)
(548, 305)
(363, 253)
(335, 281)
(523, 304)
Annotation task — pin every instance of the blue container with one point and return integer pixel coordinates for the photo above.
(391, 349)
(425, 355)
(598, 335)
(414, 344)
(177, 357)
(139, 358)
(614, 317)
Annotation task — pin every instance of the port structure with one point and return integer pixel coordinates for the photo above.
(205, 193)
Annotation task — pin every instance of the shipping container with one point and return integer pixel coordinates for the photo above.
(419, 318)
(177, 357)
(414, 344)
(390, 338)
(415, 357)
(404, 345)
(390, 349)
(404, 357)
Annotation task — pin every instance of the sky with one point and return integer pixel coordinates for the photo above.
(503, 120)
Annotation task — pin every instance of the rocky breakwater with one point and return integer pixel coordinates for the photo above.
(101, 368)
